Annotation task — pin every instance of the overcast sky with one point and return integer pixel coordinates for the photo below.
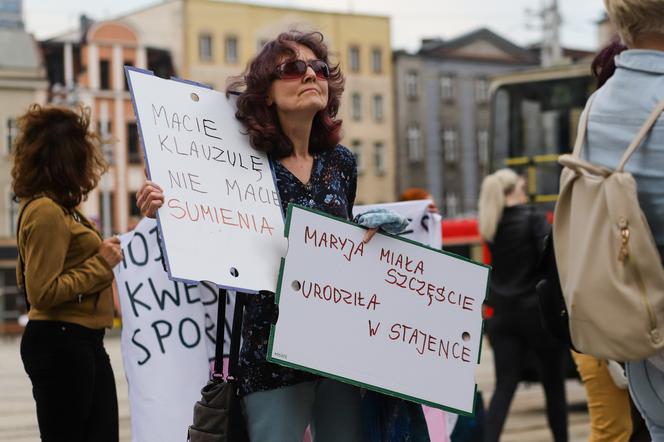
(411, 19)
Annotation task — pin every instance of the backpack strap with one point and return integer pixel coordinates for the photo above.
(650, 122)
(583, 126)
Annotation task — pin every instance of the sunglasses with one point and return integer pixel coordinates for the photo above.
(295, 69)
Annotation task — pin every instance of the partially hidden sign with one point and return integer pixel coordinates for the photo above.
(221, 220)
(391, 315)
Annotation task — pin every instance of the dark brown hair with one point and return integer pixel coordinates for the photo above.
(604, 64)
(55, 154)
(261, 120)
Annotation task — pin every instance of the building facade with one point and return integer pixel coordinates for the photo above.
(87, 66)
(22, 82)
(443, 114)
(212, 41)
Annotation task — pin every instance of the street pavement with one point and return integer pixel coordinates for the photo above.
(526, 421)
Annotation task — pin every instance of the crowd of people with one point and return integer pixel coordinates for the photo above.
(290, 95)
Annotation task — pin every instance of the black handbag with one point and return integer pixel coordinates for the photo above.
(218, 415)
(553, 311)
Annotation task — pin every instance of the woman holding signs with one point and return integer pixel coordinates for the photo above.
(288, 106)
(65, 270)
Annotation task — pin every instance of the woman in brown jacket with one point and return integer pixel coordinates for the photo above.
(65, 270)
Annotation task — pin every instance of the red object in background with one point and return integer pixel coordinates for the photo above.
(464, 231)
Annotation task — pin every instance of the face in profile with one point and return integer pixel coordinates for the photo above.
(294, 93)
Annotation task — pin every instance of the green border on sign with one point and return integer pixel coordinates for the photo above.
(352, 381)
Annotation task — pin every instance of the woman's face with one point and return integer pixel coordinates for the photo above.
(307, 94)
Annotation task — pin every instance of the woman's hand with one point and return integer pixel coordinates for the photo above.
(149, 199)
(370, 234)
(111, 251)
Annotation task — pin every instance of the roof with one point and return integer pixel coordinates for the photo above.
(446, 49)
(18, 50)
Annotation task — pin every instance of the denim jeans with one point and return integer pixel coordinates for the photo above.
(646, 385)
(282, 415)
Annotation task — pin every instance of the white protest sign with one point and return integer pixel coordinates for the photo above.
(221, 220)
(424, 227)
(390, 315)
(168, 338)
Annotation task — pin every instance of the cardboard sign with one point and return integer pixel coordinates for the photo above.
(391, 315)
(424, 227)
(221, 220)
(168, 338)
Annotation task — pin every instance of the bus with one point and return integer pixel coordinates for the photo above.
(535, 114)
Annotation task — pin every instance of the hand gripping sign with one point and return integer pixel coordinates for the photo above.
(221, 220)
(392, 315)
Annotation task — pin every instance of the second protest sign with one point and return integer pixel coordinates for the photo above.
(391, 315)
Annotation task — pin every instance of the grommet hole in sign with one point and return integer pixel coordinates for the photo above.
(465, 336)
(296, 285)
(194, 96)
(234, 272)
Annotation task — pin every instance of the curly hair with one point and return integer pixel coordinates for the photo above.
(56, 155)
(261, 121)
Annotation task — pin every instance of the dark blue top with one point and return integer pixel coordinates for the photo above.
(331, 189)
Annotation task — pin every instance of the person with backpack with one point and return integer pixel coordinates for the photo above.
(615, 114)
(613, 120)
(515, 232)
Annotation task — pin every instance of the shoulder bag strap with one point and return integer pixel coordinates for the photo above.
(221, 325)
(18, 249)
(650, 122)
(236, 334)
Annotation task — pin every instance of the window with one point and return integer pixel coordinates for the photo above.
(379, 158)
(12, 133)
(133, 149)
(450, 145)
(376, 61)
(414, 143)
(126, 83)
(411, 84)
(481, 90)
(104, 75)
(377, 108)
(230, 47)
(356, 107)
(354, 58)
(447, 87)
(356, 147)
(483, 147)
(451, 205)
(205, 47)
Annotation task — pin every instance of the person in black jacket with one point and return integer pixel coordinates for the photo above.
(515, 232)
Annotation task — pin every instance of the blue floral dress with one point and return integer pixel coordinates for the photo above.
(331, 189)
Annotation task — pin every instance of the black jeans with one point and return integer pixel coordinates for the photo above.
(72, 382)
(515, 331)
